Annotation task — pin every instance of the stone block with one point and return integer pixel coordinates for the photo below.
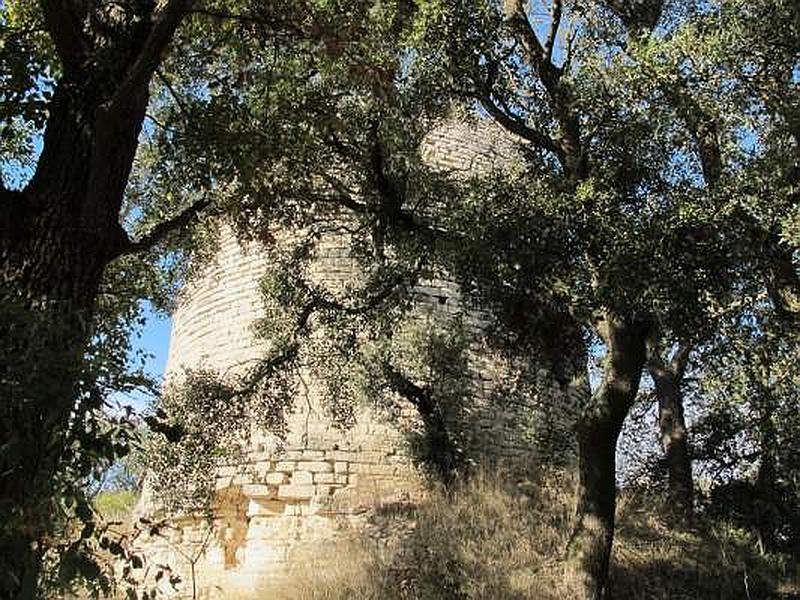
(313, 454)
(324, 478)
(342, 455)
(286, 466)
(275, 478)
(315, 466)
(253, 490)
(302, 478)
(340, 467)
(296, 491)
(324, 490)
(265, 508)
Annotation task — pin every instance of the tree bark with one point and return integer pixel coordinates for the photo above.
(673, 432)
(56, 238)
(589, 549)
(51, 264)
(675, 443)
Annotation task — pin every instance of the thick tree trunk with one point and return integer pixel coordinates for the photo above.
(589, 549)
(56, 238)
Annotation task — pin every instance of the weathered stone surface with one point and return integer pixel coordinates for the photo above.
(324, 478)
(315, 467)
(302, 478)
(275, 478)
(271, 508)
(296, 493)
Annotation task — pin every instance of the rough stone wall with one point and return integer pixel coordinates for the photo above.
(293, 499)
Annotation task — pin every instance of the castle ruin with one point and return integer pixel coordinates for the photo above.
(295, 497)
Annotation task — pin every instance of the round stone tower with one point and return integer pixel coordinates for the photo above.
(292, 500)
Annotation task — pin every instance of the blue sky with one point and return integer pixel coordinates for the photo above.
(155, 341)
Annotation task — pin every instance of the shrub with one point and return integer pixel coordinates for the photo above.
(115, 505)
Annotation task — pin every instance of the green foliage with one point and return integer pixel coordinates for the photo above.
(748, 431)
(657, 181)
(115, 505)
(203, 422)
(27, 69)
(64, 525)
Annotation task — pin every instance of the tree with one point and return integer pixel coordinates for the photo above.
(79, 75)
(637, 205)
(638, 142)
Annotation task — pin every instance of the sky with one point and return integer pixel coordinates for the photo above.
(154, 342)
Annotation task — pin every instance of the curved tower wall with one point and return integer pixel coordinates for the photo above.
(290, 503)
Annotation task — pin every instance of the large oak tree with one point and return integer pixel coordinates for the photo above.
(82, 70)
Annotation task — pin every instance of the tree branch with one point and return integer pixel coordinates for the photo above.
(639, 14)
(175, 96)
(680, 360)
(164, 229)
(571, 153)
(517, 127)
(64, 23)
(162, 31)
(252, 19)
(399, 383)
(537, 56)
(555, 23)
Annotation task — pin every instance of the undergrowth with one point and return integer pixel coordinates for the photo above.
(493, 539)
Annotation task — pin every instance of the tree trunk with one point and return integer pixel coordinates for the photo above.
(767, 514)
(667, 375)
(56, 238)
(675, 443)
(589, 549)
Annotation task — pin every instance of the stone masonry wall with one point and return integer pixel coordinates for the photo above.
(293, 499)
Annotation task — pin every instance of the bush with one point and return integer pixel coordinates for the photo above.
(115, 505)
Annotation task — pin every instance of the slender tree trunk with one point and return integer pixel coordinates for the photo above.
(675, 443)
(589, 549)
(767, 516)
(667, 375)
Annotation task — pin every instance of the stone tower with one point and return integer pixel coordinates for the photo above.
(290, 502)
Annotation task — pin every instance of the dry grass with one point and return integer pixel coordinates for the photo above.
(489, 539)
